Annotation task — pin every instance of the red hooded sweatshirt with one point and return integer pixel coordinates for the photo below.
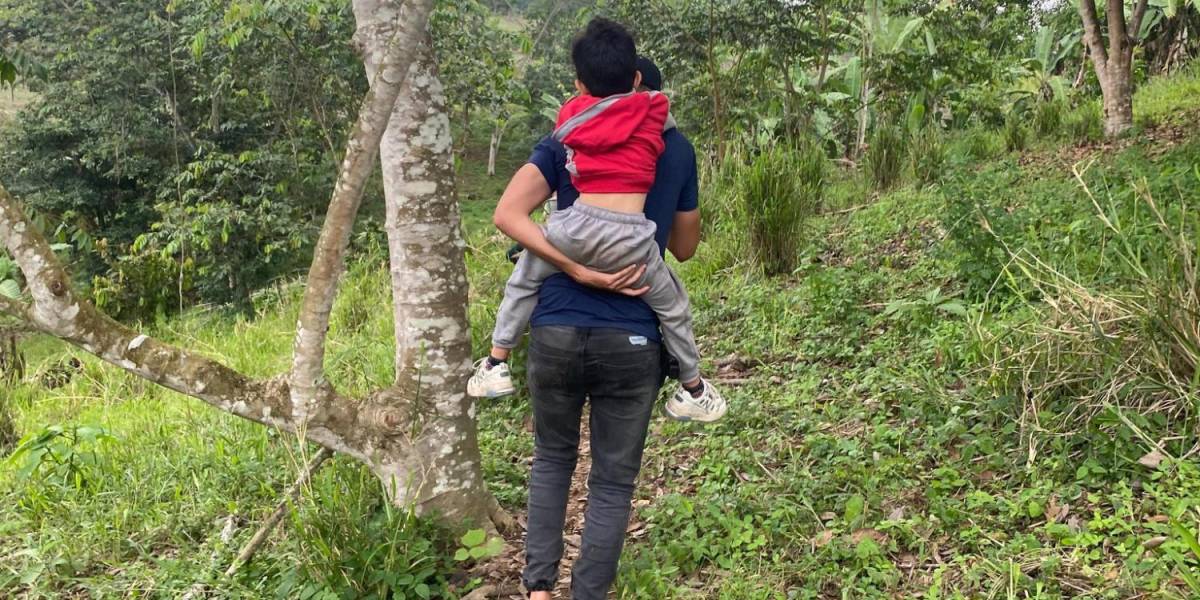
(613, 143)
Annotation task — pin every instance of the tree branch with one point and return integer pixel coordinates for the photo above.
(1135, 24)
(276, 515)
(57, 311)
(1118, 41)
(403, 28)
(1093, 39)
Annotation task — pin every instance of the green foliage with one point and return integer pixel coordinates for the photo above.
(187, 123)
(885, 156)
(1085, 124)
(1169, 99)
(475, 545)
(477, 64)
(1123, 335)
(923, 311)
(1048, 118)
(781, 189)
(10, 285)
(59, 456)
(975, 144)
(1016, 136)
(926, 155)
(354, 544)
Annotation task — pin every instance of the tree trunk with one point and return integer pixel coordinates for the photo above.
(1117, 91)
(1114, 64)
(439, 466)
(494, 147)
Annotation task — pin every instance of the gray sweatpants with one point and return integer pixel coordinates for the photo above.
(606, 241)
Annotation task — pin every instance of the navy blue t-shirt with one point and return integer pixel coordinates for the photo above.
(563, 301)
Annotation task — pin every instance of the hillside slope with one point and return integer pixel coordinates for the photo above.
(886, 437)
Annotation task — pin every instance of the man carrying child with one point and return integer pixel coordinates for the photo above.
(626, 188)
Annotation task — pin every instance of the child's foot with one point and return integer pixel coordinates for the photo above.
(709, 406)
(490, 380)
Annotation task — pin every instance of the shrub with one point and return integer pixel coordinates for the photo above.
(885, 156)
(780, 189)
(1014, 134)
(1085, 124)
(926, 155)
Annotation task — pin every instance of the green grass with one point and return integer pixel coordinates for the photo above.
(1173, 100)
(870, 452)
(13, 100)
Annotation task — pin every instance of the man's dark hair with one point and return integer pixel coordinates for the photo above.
(605, 58)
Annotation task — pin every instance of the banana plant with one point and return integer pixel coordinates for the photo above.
(1170, 8)
(1038, 77)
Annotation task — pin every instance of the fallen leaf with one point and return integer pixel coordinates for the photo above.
(863, 534)
(1056, 512)
(1152, 459)
(1074, 524)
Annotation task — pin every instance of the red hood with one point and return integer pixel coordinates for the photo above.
(611, 121)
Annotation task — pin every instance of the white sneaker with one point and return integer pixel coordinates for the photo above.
(709, 407)
(491, 382)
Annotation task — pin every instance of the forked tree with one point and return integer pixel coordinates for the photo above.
(419, 435)
(1114, 64)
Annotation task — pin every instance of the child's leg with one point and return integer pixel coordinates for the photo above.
(520, 298)
(670, 302)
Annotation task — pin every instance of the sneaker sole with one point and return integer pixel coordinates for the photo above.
(493, 393)
(686, 419)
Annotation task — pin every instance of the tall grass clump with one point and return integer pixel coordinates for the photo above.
(972, 145)
(926, 155)
(1085, 124)
(1128, 348)
(350, 542)
(885, 156)
(1015, 136)
(723, 228)
(780, 189)
(1048, 118)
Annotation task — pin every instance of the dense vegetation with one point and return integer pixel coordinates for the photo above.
(959, 328)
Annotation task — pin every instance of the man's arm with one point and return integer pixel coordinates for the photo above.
(685, 235)
(685, 228)
(525, 192)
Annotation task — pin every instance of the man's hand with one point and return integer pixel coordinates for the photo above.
(620, 282)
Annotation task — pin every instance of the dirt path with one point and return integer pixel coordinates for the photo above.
(504, 571)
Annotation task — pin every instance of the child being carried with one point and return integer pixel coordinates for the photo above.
(613, 137)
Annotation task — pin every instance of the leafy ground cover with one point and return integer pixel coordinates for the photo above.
(878, 445)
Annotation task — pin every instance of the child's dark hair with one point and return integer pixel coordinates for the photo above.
(605, 58)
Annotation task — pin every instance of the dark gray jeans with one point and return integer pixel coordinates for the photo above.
(619, 373)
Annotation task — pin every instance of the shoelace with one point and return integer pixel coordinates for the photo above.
(707, 401)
